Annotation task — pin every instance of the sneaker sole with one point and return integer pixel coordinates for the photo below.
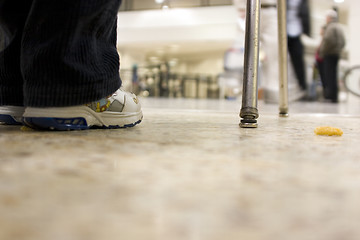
(9, 120)
(78, 118)
(11, 115)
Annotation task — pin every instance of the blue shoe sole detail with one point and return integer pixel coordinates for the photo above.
(63, 124)
(8, 120)
(60, 124)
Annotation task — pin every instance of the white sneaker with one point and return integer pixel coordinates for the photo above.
(120, 110)
(11, 115)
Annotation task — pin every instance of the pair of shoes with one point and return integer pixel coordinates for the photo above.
(328, 100)
(306, 98)
(294, 94)
(271, 95)
(11, 115)
(332, 100)
(119, 110)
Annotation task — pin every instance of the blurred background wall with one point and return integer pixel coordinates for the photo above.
(170, 46)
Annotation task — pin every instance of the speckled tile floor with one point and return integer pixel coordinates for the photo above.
(187, 172)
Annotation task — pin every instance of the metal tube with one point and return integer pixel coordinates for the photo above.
(283, 61)
(249, 112)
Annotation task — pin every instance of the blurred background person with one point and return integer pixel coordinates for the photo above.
(298, 23)
(269, 54)
(316, 85)
(332, 44)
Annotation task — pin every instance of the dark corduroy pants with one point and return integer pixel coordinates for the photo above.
(58, 52)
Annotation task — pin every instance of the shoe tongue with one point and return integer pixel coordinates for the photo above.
(111, 103)
(116, 106)
(117, 102)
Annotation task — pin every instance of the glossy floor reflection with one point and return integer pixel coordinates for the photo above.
(187, 172)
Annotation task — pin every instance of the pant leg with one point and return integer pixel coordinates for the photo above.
(13, 14)
(296, 52)
(330, 72)
(320, 65)
(68, 52)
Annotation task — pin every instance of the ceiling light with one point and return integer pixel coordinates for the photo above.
(159, 1)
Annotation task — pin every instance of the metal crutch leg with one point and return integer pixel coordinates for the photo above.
(283, 61)
(249, 112)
